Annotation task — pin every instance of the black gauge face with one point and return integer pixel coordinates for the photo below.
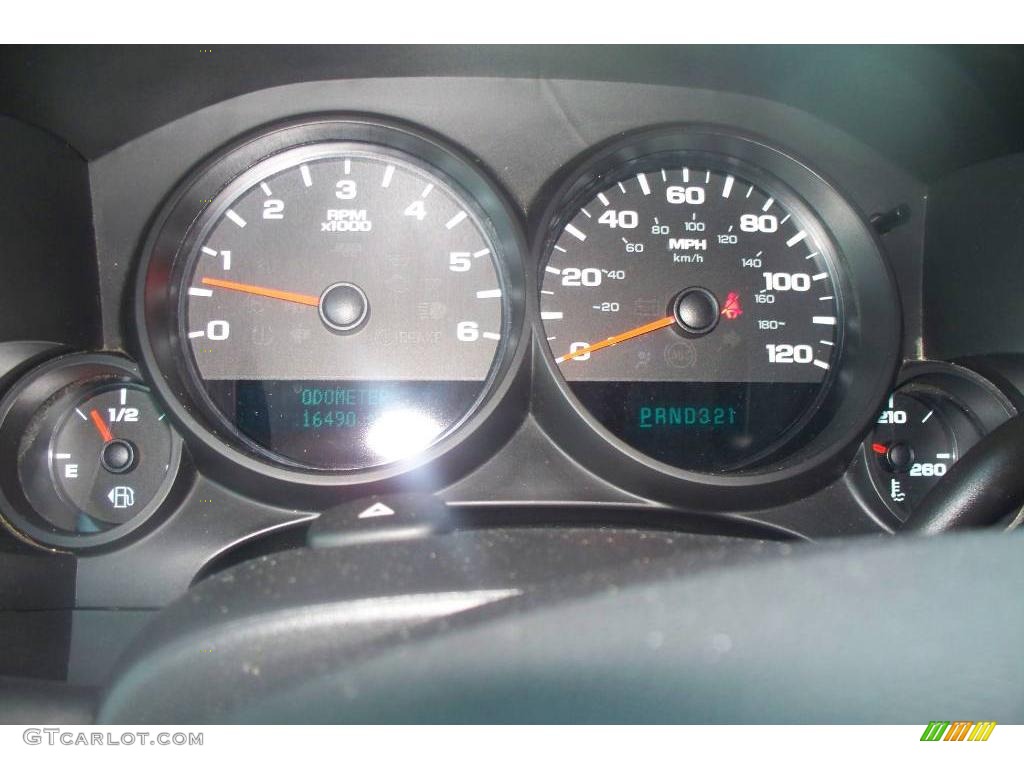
(108, 458)
(343, 306)
(692, 307)
(912, 446)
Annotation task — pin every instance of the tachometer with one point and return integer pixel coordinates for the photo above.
(700, 309)
(344, 303)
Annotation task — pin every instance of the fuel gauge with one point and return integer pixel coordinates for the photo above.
(86, 454)
(109, 457)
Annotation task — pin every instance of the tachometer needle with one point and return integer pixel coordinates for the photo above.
(256, 290)
(101, 426)
(611, 341)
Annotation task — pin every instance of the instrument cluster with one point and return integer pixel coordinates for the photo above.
(341, 306)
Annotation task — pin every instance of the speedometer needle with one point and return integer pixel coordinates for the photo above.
(611, 341)
(256, 290)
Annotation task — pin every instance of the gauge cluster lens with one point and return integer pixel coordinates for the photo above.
(343, 306)
(693, 310)
(337, 301)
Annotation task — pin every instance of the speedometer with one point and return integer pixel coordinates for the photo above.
(699, 301)
(697, 306)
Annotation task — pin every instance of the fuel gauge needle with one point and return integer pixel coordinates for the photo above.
(611, 341)
(101, 426)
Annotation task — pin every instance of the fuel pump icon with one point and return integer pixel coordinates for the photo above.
(122, 497)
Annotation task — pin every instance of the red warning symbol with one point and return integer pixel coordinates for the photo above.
(732, 308)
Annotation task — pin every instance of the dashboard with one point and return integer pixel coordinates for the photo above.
(370, 294)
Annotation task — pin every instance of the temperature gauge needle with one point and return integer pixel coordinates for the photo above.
(611, 341)
(101, 426)
(256, 290)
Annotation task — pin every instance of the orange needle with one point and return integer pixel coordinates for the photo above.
(101, 425)
(256, 290)
(611, 341)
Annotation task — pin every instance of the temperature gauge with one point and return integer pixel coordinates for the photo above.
(912, 446)
(932, 419)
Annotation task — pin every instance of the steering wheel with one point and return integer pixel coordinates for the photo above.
(550, 625)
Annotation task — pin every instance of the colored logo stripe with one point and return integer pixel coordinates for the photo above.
(958, 730)
(982, 731)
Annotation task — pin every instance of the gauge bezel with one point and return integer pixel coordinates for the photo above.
(863, 369)
(166, 252)
(40, 398)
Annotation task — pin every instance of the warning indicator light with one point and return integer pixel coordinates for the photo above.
(732, 309)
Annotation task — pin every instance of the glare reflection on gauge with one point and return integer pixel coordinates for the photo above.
(400, 433)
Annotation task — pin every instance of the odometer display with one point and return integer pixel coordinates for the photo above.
(343, 306)
(690, 303)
